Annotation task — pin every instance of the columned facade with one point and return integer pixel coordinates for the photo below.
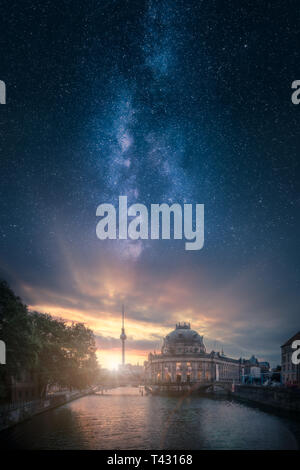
(184, 360)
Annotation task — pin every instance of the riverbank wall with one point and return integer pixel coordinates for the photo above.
(12, 414)
(279, 398)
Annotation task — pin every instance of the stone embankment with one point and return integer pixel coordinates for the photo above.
(14, 413)
(275, 397)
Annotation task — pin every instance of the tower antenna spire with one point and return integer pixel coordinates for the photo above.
(123, 336)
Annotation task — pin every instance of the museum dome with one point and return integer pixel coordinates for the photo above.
(183, 340)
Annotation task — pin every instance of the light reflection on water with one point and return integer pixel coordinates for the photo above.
(123, 419)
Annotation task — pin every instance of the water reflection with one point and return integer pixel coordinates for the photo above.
(123, 419)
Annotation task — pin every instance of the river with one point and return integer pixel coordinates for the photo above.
(123, 419)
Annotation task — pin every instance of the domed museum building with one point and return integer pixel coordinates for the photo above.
(184, 360)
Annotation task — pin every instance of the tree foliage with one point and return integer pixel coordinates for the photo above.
(53, 351)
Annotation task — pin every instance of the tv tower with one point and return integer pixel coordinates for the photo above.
(123, 336)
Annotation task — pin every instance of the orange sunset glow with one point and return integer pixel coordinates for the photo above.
(91, 288)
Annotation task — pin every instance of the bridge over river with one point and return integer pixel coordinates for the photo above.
(167, 388)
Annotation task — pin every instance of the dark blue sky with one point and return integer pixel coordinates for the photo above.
(167, 101)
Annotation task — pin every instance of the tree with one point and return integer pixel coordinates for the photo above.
(15, 331)
(52, 351)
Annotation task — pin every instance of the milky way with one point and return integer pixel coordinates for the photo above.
(161, 101)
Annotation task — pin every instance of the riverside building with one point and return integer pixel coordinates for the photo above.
(290, 372)
(184, 361)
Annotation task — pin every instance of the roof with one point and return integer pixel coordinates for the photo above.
(183, 334)
(293, 338)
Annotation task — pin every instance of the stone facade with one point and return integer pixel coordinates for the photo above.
(184, 360)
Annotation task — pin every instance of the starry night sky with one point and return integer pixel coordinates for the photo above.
(162, 101)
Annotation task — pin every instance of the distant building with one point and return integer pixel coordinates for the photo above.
(130, 374)
(131, 369)
(254, 372)
(184, 360)
(290, 372)
(264, 366)
(275, 374)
